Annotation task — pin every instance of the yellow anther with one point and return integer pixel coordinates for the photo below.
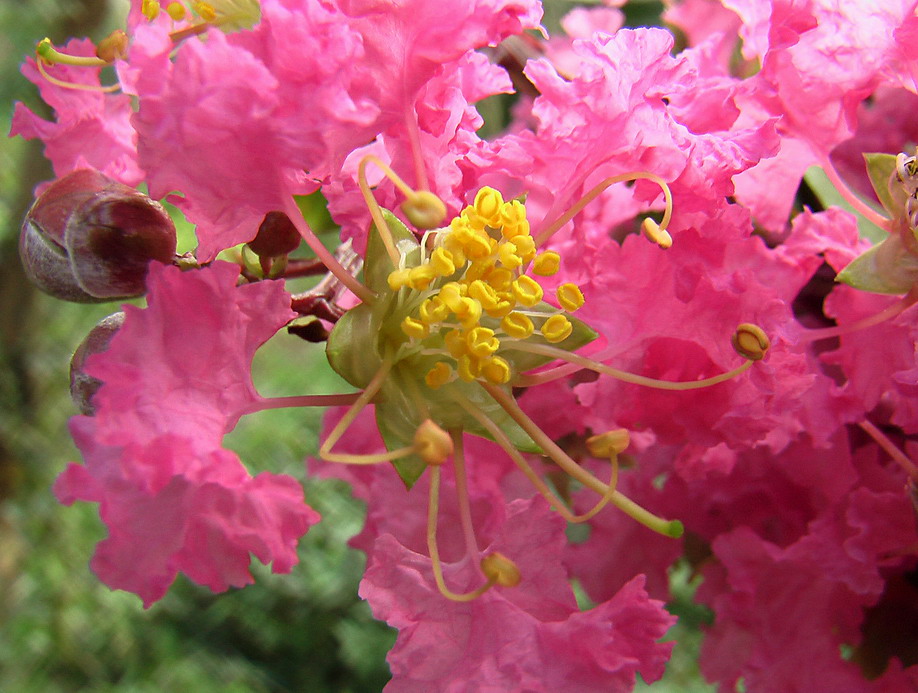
(508, 255)
(750, 341)
(500, 278)
(482, 342)
(655, 234)
(433, 444)
(609, 444)
(500, 570)
(439, 375)
(397, 279)
(503, 306)
(176, 10)
(513, 219)
(556, 329)
(113, 47)
(150, 9)
(206, 11)
(546, 263)
(475, 244)
(433, 310)
(469, 312)
(455, 343)
(468, 368)
(419, 277)
(424, 209)
(488, 204)
(414, 328)
(471, 219)
(479, 269)
(442, 262)
(527, 291)
(570, 297)
(451, 294)
(484, 294)
(517, 325)
(525, 247)
(496, 370)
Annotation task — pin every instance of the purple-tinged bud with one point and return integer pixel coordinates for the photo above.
(82, 385)
(89, 239)
(276, 236)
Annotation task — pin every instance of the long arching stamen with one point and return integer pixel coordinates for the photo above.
(362, 400)
(891, 448)
(857, 203)
(49, 54)
(433, 509)
(462, 493)
(109, 89)
(375, 212)
(575, 209)
(524, 380)
(414, 137)
(670, 528)
(349, 280)
(501, 439)
(887, 313)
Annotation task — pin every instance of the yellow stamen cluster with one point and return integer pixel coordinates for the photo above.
(474, 291)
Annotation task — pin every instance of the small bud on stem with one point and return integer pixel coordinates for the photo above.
(90, 239)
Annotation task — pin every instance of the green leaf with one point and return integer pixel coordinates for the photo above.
(236, 15)
(353, 346)
(881, 169)
(398, 415)
(378, 265)
(828, 196)
(887, 268)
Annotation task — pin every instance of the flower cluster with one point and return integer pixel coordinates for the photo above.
(715, 375)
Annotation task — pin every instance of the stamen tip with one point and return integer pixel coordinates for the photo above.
(750, 341)
(674, 529)
(500, 570)
(654, 233)
(425, 210)
(433, 444)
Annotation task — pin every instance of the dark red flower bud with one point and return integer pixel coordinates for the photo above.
(276, 236)
(82, 385)
(89, 238)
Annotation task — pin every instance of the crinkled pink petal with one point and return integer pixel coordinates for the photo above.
(204, 517)
(507, 639)
(90, 127)
(176, 377)
(183, 364)
(215, 131)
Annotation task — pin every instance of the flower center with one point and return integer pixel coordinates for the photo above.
(474, 294)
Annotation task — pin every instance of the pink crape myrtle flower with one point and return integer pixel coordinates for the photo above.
(175, 379)
(632, 106)
(91, 129)
(782, 610)
(532, 637)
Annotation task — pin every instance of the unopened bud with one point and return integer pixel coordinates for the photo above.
(434, 445)
(82, 385)
(501, 570)
(424, 210)
(276, 236)
(750, 341)
(90, 239)
(609, 444)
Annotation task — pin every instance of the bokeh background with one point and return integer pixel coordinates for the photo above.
(60, 628)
